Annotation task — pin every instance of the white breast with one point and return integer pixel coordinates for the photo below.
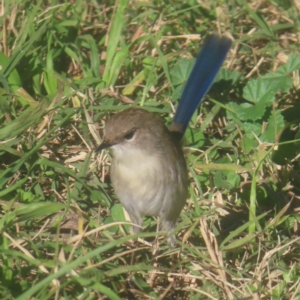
(145, 186)
(138, 179)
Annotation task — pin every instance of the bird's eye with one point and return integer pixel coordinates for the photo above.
(129, 135)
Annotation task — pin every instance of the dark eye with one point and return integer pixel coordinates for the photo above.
(128, 136)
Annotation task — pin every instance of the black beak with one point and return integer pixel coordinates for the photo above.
(102, 146)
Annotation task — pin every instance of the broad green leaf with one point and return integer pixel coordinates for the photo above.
(229, 75)
(260, 93)
(251, 129)
(181, 71)
(233, 180)
(117, 212)
(247, 111)
(227, 180)
(259, 90)
(280, 82)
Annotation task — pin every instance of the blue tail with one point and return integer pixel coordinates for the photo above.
(206, 68)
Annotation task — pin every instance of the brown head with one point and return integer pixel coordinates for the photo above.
(134, 127)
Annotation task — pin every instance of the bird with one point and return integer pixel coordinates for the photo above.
(148, 168)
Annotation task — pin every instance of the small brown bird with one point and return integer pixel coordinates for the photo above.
(148, 169)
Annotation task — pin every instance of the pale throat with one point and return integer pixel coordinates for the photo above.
(132, 162)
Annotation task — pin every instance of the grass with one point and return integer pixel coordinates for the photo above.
(65, 67)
